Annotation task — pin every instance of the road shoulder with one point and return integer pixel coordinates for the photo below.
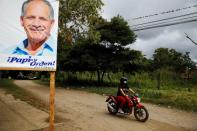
(18, 115)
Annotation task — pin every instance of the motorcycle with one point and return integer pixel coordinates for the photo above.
(140, 112)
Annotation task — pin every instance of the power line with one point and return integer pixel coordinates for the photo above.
(166, 22)
(169, 24)
(165, 12)
(165, 19)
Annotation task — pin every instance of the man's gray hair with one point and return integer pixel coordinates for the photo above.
(25, 4)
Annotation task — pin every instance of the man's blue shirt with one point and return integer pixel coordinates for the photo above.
(46, 49)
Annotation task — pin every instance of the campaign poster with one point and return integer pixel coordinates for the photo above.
(28, 34)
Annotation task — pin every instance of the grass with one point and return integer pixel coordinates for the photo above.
(181, 99)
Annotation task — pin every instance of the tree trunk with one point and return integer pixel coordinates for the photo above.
(108, 75)
(98, 76)
(103, 73)
(91, 75)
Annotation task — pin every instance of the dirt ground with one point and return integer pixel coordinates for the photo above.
(82, 111)
(16, 115)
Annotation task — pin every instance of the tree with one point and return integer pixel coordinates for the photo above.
(187, 62)
(108, 54)
(75, 20)
(87, 57)
(116, 32)
(116, 35)
(160, 58)
(137, 63)
(75, 17)
(170, 58)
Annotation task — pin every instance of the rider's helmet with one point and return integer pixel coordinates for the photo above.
(123, 80)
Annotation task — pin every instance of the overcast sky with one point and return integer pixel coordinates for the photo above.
(166, 37)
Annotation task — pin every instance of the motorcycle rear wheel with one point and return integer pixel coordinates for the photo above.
(141, 114)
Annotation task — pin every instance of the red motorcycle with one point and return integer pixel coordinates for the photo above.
(140, 112)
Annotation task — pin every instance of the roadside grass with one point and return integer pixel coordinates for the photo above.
(26, 96)
(173, 98)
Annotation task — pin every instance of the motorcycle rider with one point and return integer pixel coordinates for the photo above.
(122, 96)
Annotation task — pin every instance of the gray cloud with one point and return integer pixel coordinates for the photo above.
(151, 39)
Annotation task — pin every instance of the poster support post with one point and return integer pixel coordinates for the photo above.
(52, 100)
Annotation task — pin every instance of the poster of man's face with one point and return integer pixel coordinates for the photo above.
(28, 30)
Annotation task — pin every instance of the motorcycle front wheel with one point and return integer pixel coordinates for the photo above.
(141, 114)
